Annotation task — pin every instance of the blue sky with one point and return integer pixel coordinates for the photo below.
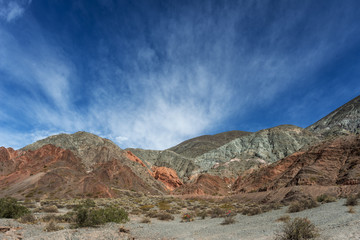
(151, 74)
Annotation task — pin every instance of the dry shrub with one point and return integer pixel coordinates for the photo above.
(52, 226)
(28, 218)
(165, 216)
(163, 205)
(302, 205)
(251, 210)
(324, 198)
(217, 212)
(228, 220)
(351, 200)
(298, 229)
(50, 209)
(146, 208)
(351, 209)
(284, 218)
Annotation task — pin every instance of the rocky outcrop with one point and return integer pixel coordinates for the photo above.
(265, 146)
(206, 184)
(344, 120)
(183, 166)
(330, 163)
(90, 148)
(197, 146)
(167, 176)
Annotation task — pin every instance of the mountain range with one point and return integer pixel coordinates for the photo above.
(267, 165)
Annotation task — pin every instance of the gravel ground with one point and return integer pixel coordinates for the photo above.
(332, 220)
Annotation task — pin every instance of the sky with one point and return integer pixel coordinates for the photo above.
(153, 73)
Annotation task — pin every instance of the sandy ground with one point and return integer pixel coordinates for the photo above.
(332, 220)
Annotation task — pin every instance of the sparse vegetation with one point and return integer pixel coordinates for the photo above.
(302, 205)
(10, 208)
(297, 229)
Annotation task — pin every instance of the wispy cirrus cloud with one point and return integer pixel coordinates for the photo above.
(153, 76)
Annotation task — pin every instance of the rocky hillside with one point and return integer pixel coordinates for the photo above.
(341, 121)
(265, 146)
(183, 166)
(329, 163)
(90, 148)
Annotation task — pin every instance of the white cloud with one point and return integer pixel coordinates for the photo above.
(10, 10)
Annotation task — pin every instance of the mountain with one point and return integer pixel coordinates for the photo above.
(79, 164)
(344, 120)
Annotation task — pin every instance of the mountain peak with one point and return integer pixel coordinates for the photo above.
(346, 117)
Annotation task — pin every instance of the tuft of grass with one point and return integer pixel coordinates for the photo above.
(10, 208)
(302, 205)
(351, 200)
(298, 229)
(145, 220)
(284, 218)
(351, 209)
(228, 220)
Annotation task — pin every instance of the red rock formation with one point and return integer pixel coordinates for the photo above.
(55, 172)
(330, 163)
(205, 184)
(168, 176)
(134, 158)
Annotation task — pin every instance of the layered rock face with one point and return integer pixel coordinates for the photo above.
(343, 120)
(330, 163)
(197, 146)
(265, 146)
(183, 166)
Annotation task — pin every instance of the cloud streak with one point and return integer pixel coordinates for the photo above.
(11, 10)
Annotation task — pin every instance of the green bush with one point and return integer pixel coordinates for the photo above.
(298, 229)
(10, 208)
(91, 217)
